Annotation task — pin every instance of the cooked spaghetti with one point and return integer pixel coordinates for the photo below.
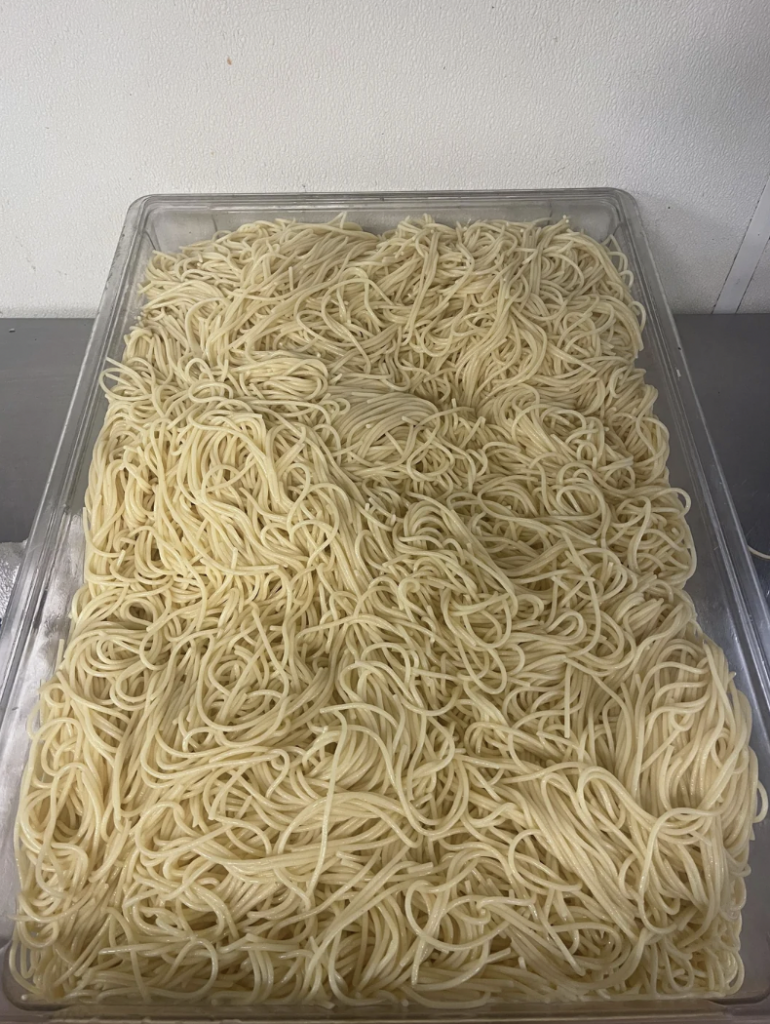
(383, 683)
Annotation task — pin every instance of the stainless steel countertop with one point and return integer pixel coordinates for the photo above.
(729, 358)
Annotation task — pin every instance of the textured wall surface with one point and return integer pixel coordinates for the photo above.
(103, 102)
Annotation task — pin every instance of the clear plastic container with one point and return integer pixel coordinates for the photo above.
(724, 588)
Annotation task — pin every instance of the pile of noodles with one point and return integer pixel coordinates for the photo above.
(383, 684)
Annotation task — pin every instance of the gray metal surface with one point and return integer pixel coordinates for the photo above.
(729, 358)
(39, 363)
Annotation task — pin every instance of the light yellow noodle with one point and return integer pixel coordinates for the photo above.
(383, 683)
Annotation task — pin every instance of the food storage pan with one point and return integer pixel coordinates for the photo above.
(724, 588)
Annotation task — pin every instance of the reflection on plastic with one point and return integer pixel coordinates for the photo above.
(10, 560)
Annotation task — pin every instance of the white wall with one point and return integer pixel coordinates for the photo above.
(104, 100)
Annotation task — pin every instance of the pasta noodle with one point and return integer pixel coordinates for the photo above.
(383, 683)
